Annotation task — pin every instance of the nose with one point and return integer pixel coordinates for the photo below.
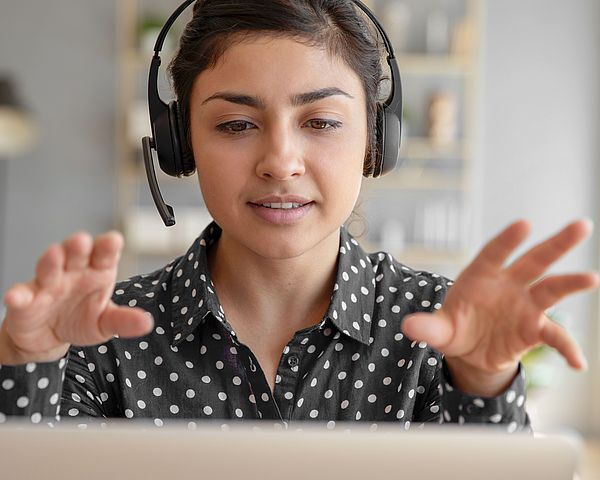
(281, 157)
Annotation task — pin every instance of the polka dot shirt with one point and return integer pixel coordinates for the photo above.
(354, 365)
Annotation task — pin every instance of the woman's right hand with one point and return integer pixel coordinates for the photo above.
(68, 302)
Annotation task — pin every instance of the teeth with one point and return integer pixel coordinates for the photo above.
(284, 206)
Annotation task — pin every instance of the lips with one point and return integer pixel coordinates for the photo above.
(282, 209)
(282, 199)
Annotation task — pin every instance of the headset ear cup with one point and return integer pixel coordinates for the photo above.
(181, 151)
(175, 138)
(187, 155)
(391, 141)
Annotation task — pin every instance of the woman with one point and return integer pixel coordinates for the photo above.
(275, 312)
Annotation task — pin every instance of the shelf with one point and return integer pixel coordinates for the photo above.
(141, 60)
(416, 256)
(136, 173)
(435, 64)
(422, 148)
(429, 257)
(147, 235)
(414, 178)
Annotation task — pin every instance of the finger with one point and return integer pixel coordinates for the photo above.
(493, 255)
(433, 328)
(18, 296)
(106, 251)
(50, 267)
(78, 249)
(557, 337)
(125, 322)
(549, 291)
(536, 261)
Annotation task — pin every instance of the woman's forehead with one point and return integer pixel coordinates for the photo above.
(268, 40)
(266, 62)
(278, 52)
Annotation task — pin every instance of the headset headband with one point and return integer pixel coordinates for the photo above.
(394, 101)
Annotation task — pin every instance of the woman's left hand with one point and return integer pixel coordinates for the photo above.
(493, 314)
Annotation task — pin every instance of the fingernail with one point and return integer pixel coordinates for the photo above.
(590, 224)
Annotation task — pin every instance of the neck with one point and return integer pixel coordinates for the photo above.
(272, 293)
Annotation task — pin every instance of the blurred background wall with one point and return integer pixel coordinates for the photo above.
(539, 145)
(61, 54)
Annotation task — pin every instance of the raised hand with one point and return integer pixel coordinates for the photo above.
(493, 314)
(68, 302)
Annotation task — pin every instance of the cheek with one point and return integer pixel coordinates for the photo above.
(217, 183)
(214, 169)
(350, 178)
(212, 174)
(347, 158)
(339, 175)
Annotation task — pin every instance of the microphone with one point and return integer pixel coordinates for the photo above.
(166, 211)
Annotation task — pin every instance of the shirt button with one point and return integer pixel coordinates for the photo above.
(293, 361)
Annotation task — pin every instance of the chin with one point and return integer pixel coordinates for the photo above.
(315, 236)
(282, 248)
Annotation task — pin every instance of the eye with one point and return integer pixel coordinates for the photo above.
(234, 128)
(320, 124)
(238, 127)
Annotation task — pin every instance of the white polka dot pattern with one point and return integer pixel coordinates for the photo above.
(353, 365)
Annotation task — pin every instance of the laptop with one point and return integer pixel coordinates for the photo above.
(251, 450)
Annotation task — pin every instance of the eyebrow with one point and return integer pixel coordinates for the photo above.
(296, 100)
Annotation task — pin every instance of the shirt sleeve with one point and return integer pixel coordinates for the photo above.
(508, 408)
(45, 392)
(447, 404)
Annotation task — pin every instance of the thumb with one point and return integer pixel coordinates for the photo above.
(125, 322)
(433, 328)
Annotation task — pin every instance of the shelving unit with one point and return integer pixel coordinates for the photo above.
(419, 213)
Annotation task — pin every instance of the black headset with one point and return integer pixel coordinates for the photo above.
(175, 155)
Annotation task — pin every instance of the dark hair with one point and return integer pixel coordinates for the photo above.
(333, 24)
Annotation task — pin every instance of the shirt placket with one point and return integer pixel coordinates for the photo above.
(262, 397)
(288, 374)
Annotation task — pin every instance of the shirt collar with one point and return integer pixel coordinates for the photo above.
(191, 277)
(353, 299)
(350, 310)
